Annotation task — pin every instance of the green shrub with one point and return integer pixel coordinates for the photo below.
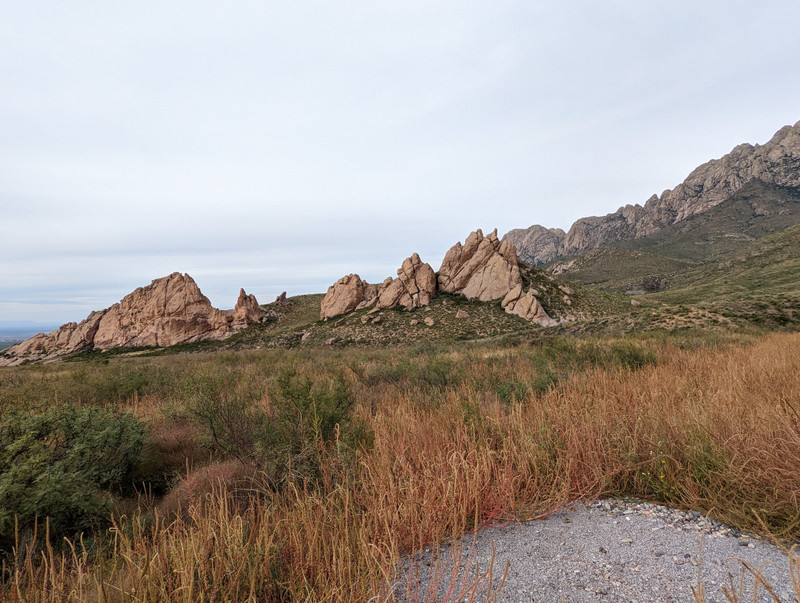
(224, 405)
(279, 438)
(66, 464)
(629, 355)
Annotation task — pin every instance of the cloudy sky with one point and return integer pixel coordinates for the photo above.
(280, 145)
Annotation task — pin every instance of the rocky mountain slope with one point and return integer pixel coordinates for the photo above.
(169, 311)
(775, 163)
(651, 263)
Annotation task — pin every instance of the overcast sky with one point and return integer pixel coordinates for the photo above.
(280, 145)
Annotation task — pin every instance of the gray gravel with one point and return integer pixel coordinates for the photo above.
(608, 550)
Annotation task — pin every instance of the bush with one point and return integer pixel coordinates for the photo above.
(631, 356)
(66, 464)
(283, 436)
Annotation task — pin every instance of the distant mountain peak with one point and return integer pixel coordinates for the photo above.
(775, 162)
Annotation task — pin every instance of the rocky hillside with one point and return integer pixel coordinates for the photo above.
(169, 311)
(482, 269)
(652, 263)
(774, 163)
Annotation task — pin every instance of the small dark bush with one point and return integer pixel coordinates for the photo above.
(65, 464)
(629, 355)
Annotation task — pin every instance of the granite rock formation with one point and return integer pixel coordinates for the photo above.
(525, 305)
(484, 268)
(343, 296)
(776, 162)
(414, 286)
(246, 311)
(169, 311)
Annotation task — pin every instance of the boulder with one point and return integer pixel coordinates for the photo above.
(414, 286)
(526, 306)
(429, 321)
(343, 296)
(484, 268)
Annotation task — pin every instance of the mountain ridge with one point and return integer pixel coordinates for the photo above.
(649, 263)
(777, 162)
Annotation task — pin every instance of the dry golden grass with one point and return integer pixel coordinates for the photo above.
(713, 430)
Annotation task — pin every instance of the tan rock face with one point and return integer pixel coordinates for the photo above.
(776, 162)
(414, 286)
(537, 244)
(70, 338)
(246, 311)
(371, 293)
(483, 268)
(526, 306)
(343, 296)
(169, 311)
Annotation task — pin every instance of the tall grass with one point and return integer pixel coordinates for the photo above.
(716, 430)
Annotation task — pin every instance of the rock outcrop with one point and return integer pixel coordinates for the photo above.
(246, 311)
(484, 268)
(776, 162)
(414, 286)
(525, 305)
(169, 311)
(343, 296)
(70, 338)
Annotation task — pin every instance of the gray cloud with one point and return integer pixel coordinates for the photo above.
(277, 146)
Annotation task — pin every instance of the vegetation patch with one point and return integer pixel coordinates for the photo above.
(66, 465)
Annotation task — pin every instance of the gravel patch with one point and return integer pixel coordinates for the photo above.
(608, 550)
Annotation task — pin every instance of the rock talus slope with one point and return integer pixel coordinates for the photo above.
(776, 162)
